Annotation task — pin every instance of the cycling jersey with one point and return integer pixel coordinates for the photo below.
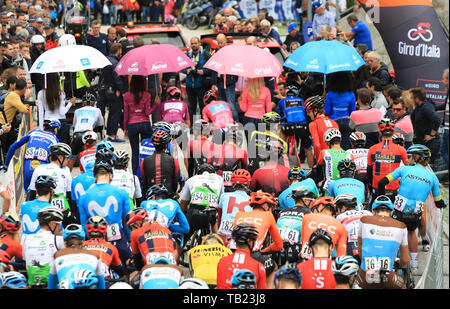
(285, 199)
(68, 262)
(63, 183)
(240, 259)
(38, 251)
(229, 205)
(416, 183)
(173, 111)
(160, 277)
(87, 156)
(165, 211)
(330, 159)
(29, 211)
(203, 190)
(129, 182)
(227, 158)
(87, 118)
(289, 224)
(198, 151)
(317, 273)
(271, 178)
(153, 241)
(147, 149)
(383, 158)
(291, 110)
(314, 221)
(360, 159)
(81, 184)
(350, 219)
(348, 185)
(106, 252)
(10, 246)
(203, 261)
(318, 127)
(219, 113)
(262, 138)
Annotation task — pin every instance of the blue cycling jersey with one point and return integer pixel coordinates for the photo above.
(416, 183)
(147, 149)
(285, 198)
(29, 211)
(165, 211)
(81, 184)
(291, 110)
(347, 185)
(289, 224)
(231, 203)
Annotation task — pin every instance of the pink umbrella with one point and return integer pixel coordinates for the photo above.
(244, 60)
(153, 59)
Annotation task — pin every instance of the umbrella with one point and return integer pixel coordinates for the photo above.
(69, 59)
(324, 57)
(153, 59)
(244, 60)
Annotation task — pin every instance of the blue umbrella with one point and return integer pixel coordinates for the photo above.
(324, 57)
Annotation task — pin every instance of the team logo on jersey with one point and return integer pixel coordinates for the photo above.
(35, 163)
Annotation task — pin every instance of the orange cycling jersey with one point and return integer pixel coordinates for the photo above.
(11, 247)
(152, 238)
(105, 251)
(264, 222)
(317, 274)
(337, 231)
(317, 128)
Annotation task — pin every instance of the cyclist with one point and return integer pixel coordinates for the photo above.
(45, 186)
(232, 202)
(198, 150)
(349, 216)
(204, 258)
(322, 216)
(398, 139)
(347, 183)
(359, 153)
(37, 152)
(89, 139)
(193, 284)
(9, 245)
(84, 279)
(345, 269)
(297, 178)
(160, 168)
(67, 262)
(38, 248)
(109, 202)
(416, 183)
(161, 274)
(383, 158)
(320, 123)
(243, 279)
(174, 109)
(380, 239)
(317, 272)
(83, 182)
(244, 235)
(13, 280)
(288, 277)
(109, 255)
(126, 180)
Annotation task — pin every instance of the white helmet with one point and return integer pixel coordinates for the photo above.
(120, 286)
(193, 284)
(331, 133)
(67, 40)
(37, 39)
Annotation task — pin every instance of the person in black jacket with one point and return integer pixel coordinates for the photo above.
(293, 36)
(97, 39)
(378, 68)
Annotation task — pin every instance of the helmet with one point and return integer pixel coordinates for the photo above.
(421, 150)
(314, 102)
(346, 167)
(96, 225)
(243, 233)
(398, 138)
(161, 260)
(177, 130)
(156, 190)
(160, 138)
(301, 192)
(193, 284)
(290, 268)
(89, 98)
(297, 173)
(292, 90)
(88, 136)
(212, 236)
(271, 117)
(345, 265)
(320, 234)
(259, 198)
(358, 139)
(14, 280)
(60, 149)
(67, 40)
(120, 286)
(105, 155)
(330, 134)
(162, 125)
(382, 201)
(10, 222)
(138, 213)
(73, 231)
(209, 96)
(104, 144)
(84, 279)
(386, 124)
(52, 124)
(122, 158)
(241, 177)
(173, 91)
(243, 279)
(45, 182)
(346, 200)
(102, 164)
(327, 201)
(205, 167)
(37, 39)
(50, 214)
(201, 126)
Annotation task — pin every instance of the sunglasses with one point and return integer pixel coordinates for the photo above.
(397, 109)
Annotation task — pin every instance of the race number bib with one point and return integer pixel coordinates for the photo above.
(306, 252)
(157, 216)
(374, 263)
(226, 227)
(401, 202)
(291, 235)
(113, 232)
(60, 201)
(226, 175)
(151, 256)
(201, 197)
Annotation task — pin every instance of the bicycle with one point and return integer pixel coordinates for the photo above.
(406, 273)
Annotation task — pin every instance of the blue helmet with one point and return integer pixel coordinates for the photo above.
(84, 279)
(296, 173)
(419, 149)
(161, 260)
(243, 279)
(52, 124)
(383, 200)
(157, 189)
(345, 265)
(14, 280)
(74, 230)
(287, 269)
(104, 144)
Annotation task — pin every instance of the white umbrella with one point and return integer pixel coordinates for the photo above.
(69, 59)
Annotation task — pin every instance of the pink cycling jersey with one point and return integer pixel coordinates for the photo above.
(219, 113)
(173, 111)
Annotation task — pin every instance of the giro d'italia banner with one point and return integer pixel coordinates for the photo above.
(415, 41)
(279, 9)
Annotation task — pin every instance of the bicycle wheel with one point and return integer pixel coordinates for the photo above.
(194, 240)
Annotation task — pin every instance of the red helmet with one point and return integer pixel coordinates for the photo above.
(241, 176)
(386, 124)
(10, 222)
(138, 213)
(325, 201)
(160, 137)
(259, 198)
(173, 91)
(314, 102)
(96, 225)
(209, 96)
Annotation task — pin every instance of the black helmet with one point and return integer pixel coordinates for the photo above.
(157, 189)
(320, 234)
(106, 155)
(122, 159)
(160, 138)
(243, 233)
(51, 124)
(346, 167)
(60, 149)
(45, 182)
(102, 164)
(301, 192)
(89, 98)
(205, 167)
(292, 90)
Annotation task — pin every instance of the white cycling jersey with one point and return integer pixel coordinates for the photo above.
(127, 181)
(87, 118)
(350, 220)
(360, 158)
(203, 190)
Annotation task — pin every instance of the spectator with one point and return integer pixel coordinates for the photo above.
(391, 93)
(51, 38)
(333, 8)
(156, 11)
(231, 22)
(444, 143)
(220, 26)
(268, 30)
(113, 9)
(361, 75)
(378, 101)
(326, 33)
(127, 45)
(340, 103)
(293, 47)
(402, 121)
(360, 33)
(293, 36)
(426, 122)
(321, 17)
(112, 36)
(366, 118)
(250, 27)
(378, 68)
(97, 39)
